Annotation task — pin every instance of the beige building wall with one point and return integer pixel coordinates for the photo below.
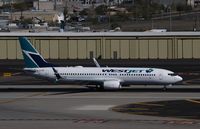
(82, 49)
(91, 49)
(60, 47)
(187, 49)
(45, 49)
(143, 49)
(53, 49)
(134, 49)
(115, 49)
(73, 46)
(162, 49)
(99, 48)
(153, 49)
(3, 49)
(12, 49)
(107, 46)
(196, 49)
(124, 49)
(63, 49)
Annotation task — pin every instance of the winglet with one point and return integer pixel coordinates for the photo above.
(96, 63)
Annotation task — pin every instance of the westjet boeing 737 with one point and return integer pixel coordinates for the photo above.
(105, 77)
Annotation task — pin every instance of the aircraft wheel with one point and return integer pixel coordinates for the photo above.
(165, 88)
(99, 88)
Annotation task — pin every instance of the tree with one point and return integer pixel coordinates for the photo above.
(27, 21)
(145, 8)
(181, 7)
(101, 10)
(114, 25)
(22, 7)
(84, 12)
(6, 6)
(65, 13)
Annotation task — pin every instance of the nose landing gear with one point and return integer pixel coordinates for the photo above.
(165, 87)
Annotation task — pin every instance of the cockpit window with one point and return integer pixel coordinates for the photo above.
(172, 74)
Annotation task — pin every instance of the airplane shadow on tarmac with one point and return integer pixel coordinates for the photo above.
(83, 90)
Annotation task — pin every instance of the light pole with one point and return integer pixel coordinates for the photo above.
(11, 10)
(170, 18)
(152, 24)
(38, 4)
(109, 15)
(170, 15)
(55, 4)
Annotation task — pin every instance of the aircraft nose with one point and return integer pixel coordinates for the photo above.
(179, 78)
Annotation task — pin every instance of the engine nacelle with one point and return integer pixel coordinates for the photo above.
(111, 85)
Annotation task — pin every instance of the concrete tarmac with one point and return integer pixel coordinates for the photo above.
(76, 107)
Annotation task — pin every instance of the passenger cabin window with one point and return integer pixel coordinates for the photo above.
(172, 74)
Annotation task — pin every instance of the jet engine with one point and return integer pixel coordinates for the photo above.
(111, 85)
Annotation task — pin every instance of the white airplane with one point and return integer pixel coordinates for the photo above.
(105, 77)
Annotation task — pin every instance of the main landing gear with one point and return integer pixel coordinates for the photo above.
(165, 88)
(99, 88)
(96, 88)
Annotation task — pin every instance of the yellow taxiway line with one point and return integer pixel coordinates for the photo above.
(194, 101)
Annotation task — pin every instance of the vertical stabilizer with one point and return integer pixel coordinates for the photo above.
(32, 58)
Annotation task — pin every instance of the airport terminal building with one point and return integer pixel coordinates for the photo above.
(108, 45)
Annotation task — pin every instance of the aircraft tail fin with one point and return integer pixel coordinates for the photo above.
(32, 58)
